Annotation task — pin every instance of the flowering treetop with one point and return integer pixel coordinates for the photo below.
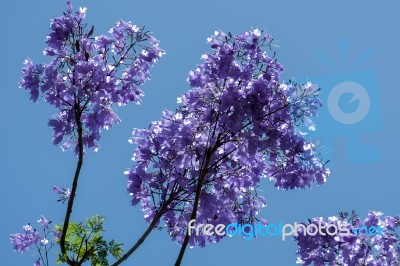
(239, 123)
(88, 74)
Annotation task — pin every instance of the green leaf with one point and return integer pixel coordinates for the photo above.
(82, 238)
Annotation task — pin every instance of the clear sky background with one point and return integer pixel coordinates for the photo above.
(328, 42)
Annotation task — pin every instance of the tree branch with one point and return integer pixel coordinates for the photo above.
(202, 176)
(74, 185)
(153, 224)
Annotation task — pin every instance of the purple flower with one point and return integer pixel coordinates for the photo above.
(58, 190)
(44, 222)
(31, 79)
(37, 262)
(56, 233)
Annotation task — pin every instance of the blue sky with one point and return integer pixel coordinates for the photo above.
(325, 42)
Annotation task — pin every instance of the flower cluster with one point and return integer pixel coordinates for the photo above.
(23, 241)
(359, 248)
(31, 238)
(89, 74)
(239, 123)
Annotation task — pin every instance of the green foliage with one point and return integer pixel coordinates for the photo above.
(84, 242)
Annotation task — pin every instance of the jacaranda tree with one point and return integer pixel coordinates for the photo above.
(239, 123)
(86, 78)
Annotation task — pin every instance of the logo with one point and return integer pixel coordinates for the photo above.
(249, 231)
(359, 93)
(350, 112)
